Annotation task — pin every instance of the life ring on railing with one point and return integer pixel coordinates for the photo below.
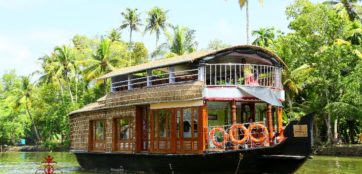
(237, 127)
(258, 126)
(281, 137)
(212, 137)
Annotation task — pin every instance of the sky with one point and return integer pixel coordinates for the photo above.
(29, 29)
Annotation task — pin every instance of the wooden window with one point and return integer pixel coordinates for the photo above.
(175, 130)
(124, 134)
(98, 139)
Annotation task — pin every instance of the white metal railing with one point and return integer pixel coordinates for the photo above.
(156, 80)
(230, 74)
(219, 137)
(243, 74)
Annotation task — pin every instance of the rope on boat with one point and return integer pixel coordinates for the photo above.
(240, 158)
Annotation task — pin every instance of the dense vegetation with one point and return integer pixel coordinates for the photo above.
(322, 50)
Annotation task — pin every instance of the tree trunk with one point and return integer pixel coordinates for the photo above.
(130, 38)
(247, 22)
(336, 130)
(61, 90)
(32, 121)
(69, 90)
(350, 11)
(329, 129)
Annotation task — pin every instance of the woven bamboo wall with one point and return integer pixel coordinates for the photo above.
(80, 126)
(157, 94)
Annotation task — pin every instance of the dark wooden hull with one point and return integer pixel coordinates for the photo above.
(285, 157)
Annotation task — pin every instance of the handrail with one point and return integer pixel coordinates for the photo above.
(234, 74)
(218, 74)
(157, 79)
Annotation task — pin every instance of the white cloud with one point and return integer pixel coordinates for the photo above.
(20, 51)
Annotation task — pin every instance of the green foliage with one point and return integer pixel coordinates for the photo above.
(323, 55)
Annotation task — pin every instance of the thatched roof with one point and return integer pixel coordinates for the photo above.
(187, 58)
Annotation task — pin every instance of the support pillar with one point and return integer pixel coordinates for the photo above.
(280, 119)
(270, 123)
(233, 112)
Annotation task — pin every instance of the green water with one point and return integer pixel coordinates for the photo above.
(28, 163)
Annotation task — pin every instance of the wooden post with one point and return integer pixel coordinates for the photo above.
(233, 112)
(152, 131)
(139, 129)
(280, 119)
(270, 123)
(202, 128)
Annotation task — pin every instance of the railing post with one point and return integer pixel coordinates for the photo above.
(201, 71)
(130, 82)
(172, 74)
(149, 77)
(112, 90)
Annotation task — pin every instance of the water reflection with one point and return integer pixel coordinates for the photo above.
(327, 165)
(27, 163)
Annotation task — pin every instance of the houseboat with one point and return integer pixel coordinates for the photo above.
(206, 112)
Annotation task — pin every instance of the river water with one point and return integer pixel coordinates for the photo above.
(28, 163)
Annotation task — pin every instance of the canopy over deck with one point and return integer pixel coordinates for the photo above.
(253, 51)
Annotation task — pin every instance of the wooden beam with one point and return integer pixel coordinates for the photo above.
(139, 130)
(270, 123)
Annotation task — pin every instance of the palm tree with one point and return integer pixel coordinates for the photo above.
(63, 67)
(25, 98)
(245, 3)
(132, 21)
(294, 81)
(182, 41)
(348, 5)
(156, 22)
(114, 35)
(101, 62)
(264, 36)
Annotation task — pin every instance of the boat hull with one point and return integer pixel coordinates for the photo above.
(285, 157)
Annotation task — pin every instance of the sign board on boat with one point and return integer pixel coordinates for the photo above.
(300, 130)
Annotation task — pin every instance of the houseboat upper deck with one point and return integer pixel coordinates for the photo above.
(197, 106)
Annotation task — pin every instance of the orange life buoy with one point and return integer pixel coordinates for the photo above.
(237, 127)
(258, 126)
(212, 137)
(281, 137)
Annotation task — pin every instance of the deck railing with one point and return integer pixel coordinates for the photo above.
(212, 74)
(220, 138)
(243, 74)
(156, 80)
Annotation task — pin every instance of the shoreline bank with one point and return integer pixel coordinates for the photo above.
(354, 150)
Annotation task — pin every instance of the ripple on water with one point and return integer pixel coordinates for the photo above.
(28, 163)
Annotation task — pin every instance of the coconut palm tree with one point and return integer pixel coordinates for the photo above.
(294, 81)
(264, 36)
(156, 21)
(182, 41)
(114, 35)
(24, 98)
(101, 62)
(131, 20)
(348, 5)
(62, 67)
(245, 3)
